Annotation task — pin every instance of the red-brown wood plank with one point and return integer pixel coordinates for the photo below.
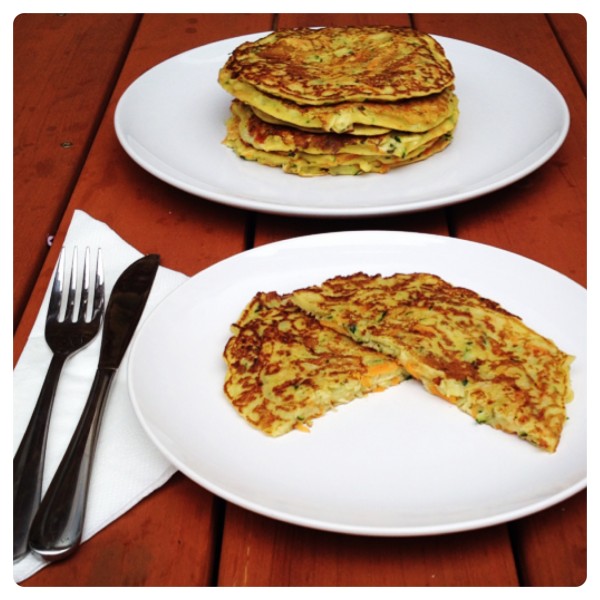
(172, 537)
(264, 552)
(260, 552)
(166, 540)
(145, 546)
(542, 216)
(60, 92)
(551, 546)
(272, 228)
(571, 31)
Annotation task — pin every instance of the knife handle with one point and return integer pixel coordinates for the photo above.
(57, 527)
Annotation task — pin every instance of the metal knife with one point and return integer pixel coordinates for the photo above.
(56, 529)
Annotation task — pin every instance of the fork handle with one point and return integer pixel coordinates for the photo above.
(28, 462)
(58, 525)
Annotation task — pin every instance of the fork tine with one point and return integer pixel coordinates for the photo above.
(85, 289)
(57, 287)
(98, 305)
(72, 288)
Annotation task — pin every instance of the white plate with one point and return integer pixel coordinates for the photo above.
(399, 462)
(171, 121)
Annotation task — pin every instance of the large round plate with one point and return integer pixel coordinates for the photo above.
(399, 462)
(171, 121)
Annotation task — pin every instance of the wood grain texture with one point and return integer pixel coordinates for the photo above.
(262, 552)
(151, 546)
(258, 552)
(189, 234)
(340, 19)
(271, 228)
(544, 215)
(571, 31)
(59, 96)
(551, 546)
(181, 535)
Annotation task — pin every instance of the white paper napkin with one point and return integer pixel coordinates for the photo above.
(127, 465)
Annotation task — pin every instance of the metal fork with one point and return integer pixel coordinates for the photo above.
(65, 335)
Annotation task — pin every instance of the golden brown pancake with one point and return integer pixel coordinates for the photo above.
(340, 100)
(281, 138)
(462, 347)
(343, 64)
(313, 165)
(413, 115)
(284, 369)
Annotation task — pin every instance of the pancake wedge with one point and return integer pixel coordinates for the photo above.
(284, 369)
(343, 64)
(463, 348)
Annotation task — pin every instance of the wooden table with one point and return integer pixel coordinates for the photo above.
(70, 71)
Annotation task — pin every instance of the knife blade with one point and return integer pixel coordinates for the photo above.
(56, 529)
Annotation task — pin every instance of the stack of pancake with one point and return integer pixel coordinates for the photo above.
(340, 100)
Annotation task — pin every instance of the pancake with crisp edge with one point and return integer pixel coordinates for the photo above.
(343, 64)
(462, 347)
(285, 369)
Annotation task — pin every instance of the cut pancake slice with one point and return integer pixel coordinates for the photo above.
(462, 347)
(285, 369)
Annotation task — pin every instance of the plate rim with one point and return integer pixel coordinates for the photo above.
(326, 525)
(232, 198)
